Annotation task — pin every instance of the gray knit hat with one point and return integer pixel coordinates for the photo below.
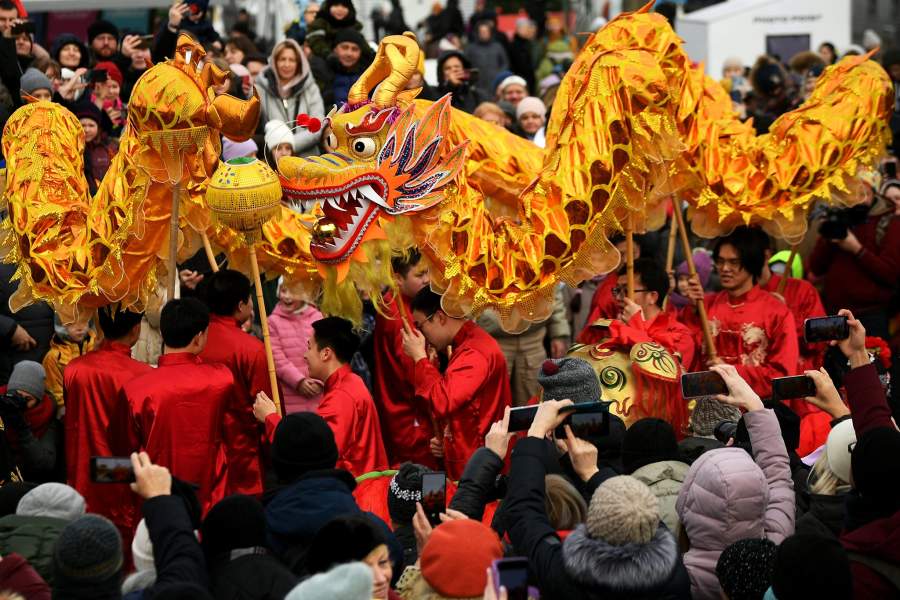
(350, 581)
(88, 553)
(709, 412)
(33, 80)
(56, 500)
(569, 379)
(623, 511)
(27, 376)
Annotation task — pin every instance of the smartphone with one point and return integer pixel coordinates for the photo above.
(434, 496)
(520, 418)
(589, 420)
(511, 573)
(798, 386)
(111, 469)
(96, 76)
(146, 42)
(23, 27)
(824, 329)
(702, 383)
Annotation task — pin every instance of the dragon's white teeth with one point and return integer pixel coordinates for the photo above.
(335, 202)
(344, 197)
(370, 194)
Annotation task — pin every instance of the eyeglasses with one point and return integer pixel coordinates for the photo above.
(428, 318)
(734, 263)
(621, 292)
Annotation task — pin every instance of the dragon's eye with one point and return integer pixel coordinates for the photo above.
(330, 141)
(363, 147)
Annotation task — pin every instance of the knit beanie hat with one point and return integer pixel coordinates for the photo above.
(569, 379)
(811, 566)
(404, 491)
(623, 511)
(235, 522)
(277, 132)
(27, 376)
(88, 555)
(232, 149)
(530, 104)
(100, 27)
(875, 463)
(455, 559)
(33, 80)
(111, 70)
(11, 494)
(142, 549)
(745, 568)
(648, 441)
(511, 80)
(56, 500)
(352, 581)
(841, 438)
(349, 34)
(343, 539)
(709, 412)
(303, 442)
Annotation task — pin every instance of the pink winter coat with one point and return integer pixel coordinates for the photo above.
(290, 333)
(727, 497)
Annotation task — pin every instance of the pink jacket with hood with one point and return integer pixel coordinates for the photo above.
(727, 497)
(290, 332)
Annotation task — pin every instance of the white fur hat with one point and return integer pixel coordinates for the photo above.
(277, 132)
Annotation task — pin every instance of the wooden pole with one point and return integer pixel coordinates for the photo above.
(210, 256)
(670, 250)
(264, 321)
(173, 245)
(787, 270)
(629, 255)
(701, 307)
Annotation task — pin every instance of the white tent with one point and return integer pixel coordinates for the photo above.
(748, 28)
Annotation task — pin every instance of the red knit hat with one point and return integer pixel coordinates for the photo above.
(455, 559)
(111, 69)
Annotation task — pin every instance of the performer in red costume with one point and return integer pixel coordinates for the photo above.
(92, 386)
(643, 318)
(406, 424)
(228, 296)
(175, 413)
(346, 405)
(603, 304)
(472, 392)
(752, 329)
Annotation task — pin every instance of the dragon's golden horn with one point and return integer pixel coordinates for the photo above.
(188, 49)
(211, 75)
(397, 59)
(237, 119)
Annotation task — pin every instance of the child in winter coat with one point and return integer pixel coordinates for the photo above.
(334, 15)
(69, 342)
(290, 326)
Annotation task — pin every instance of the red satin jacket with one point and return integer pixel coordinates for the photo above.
(468, 397)
(349, 410)
(755, 333)
(175, 414)
(92, 385)
(245, 356)
(805, 303)
(406, 424)
(603, 306)
(666, 331)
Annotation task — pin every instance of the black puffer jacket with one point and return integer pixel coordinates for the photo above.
(36, 319)
(250, 574)
(824, 517)
(479, 484)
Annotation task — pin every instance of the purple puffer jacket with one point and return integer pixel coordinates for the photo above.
(727, 497)
(290, 333)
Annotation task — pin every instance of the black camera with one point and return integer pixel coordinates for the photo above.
(12, 403)
(839, 221)
(725, 431)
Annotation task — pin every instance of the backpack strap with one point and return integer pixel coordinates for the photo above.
(887, 570)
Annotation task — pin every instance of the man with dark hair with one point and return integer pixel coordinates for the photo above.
(228, 297)
(405, 423)
(603, 303)
(92, 385)
(103, 39)
(643, 317)
(346, 405)
(752, 329)
(175, 413)
(473, 391)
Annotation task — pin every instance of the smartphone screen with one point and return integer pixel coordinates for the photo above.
(512, 573)
(587, 422)
(434, 495)
(824, 329)
(111, 469)
(520, 418)
(702, 383)
(798, 386)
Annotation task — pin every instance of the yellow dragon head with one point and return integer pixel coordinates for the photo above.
(381, 163)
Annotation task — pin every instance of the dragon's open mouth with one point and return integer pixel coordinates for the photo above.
(348, 210)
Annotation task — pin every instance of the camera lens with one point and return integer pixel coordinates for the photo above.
(725, 431)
